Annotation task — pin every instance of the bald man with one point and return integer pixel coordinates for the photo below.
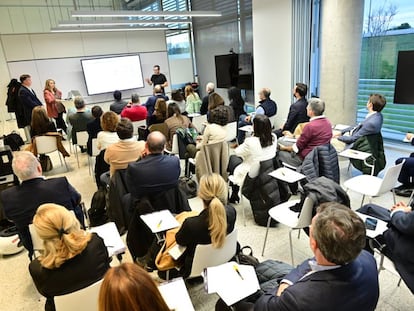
(155, 172)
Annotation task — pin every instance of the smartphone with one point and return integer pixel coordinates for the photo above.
(370, 223)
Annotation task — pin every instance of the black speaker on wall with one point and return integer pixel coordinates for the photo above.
(404, 81)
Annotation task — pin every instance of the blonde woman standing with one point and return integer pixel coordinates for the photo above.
(212, 225)
(72, 259)
(54, 106)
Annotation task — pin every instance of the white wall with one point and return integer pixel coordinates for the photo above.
(272, 50)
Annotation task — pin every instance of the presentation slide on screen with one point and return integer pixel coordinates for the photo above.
(104, 75)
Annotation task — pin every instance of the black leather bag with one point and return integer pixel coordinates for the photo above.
(188, 186)
(245, 257)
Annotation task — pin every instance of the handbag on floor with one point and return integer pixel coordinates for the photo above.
(46, 163)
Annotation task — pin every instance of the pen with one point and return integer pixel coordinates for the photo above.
(238, 272)
(159, 224)
(282, 172)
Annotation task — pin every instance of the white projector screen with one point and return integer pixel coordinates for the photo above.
(104, 75)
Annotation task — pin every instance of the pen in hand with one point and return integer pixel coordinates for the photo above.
(238, 272)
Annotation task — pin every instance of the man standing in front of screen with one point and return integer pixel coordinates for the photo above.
(158, 78)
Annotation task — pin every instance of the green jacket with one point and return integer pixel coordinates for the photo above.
(373, 144)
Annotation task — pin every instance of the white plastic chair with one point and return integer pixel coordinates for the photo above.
(85, 299)
(198, 122)
(374, 186)
(231, 129)
(272, 120)
(48, 144)
(207, 256)
(138, 124)
(95, 152)
(174, 148)
(36, 240)
(82, 140)
(295, 220)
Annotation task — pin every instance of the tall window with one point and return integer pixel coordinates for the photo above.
(388, 29)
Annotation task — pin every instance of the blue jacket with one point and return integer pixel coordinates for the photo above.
(269, 106)
(350, 287)
(371, 125)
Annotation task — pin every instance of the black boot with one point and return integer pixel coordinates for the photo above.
(234, 194)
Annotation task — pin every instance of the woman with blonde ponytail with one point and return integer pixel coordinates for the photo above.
(212, 225)
(72, 259)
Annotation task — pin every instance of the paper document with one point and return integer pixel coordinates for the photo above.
(160, 221)
(109, 233)
(232, 282)
(287, 175)
(177, 251)
(176, 296)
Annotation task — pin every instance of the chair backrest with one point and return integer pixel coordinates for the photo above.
(198, 122)
(390, 178)
(207, 256)
(174, 148)
(231, 129)
(213, 158)
(36, 240)
(82, 138)
(137, 124)
(305, 216)
(46, 144)
(85, 299)
(272, 120)
(95, 150)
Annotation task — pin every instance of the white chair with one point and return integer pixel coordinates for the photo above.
(85, 299)
(48, 144)
(138, 124)
(295, 220)
(36, 240)
(384, 263)
(199, 122)
(207, 256)
(174, 148)
(231, 129)
(95, 152)
(374, 186)
(272, 120)
(82, 141)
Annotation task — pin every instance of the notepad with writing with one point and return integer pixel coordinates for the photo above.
(176, 296)
(160, 221)
(231, 281)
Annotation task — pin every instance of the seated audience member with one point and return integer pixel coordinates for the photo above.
(371, 125)
(129, 287)
(72, 258)
(160, 112)
(21, 202)
(297, 111)
(214, 132)
(192, 100)
(397, 242)
(94, 127)
(204, 105)
(175, 120)
(134, 110)
(406, 177)
(150, 103)
(259, 147)
(108, 135)
(118, 104)
(41, 124)
(317, 132)
(155, 172)
(212, 225)
(236, 102)
(178, 98)
(266, 106)
(79, 119)
(340, 271)
(127, 150)
(215, 100)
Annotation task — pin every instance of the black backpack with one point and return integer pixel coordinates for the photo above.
(14, 140)
(97, 212)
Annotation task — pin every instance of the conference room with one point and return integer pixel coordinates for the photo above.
(318, 44)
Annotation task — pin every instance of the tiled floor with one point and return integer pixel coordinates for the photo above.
(17, 291)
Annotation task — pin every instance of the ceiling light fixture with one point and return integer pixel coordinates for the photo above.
(146, 13)
(120, 23)
(102, 29)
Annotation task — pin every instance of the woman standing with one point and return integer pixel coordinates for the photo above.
(54, 106)
(72, 259)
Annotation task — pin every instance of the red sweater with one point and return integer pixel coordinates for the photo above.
(317, 132)
(134, 112)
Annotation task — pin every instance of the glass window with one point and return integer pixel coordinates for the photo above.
(387, 30)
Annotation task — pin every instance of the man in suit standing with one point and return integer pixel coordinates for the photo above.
(155, 172)
(297, 111)
(21, 202)
(28, 100)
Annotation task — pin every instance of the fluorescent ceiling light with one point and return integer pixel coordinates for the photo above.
(120, 23)
(146, 13)
(101, 29)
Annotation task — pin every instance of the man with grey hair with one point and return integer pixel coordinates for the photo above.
(21, 202)
(204, 105)
(79, 120)
(317, 132)
(134, 111)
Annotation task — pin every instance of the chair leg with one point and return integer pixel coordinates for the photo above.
(267, 231)
(76, 153)
(399, 282)
(291, 247)
(242, 207)
(362, 202)
(89, 164)
(393, 197)
(60, 158)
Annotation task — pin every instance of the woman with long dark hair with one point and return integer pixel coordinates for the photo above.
(259, 147)
(175, 120)
(236, 101)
